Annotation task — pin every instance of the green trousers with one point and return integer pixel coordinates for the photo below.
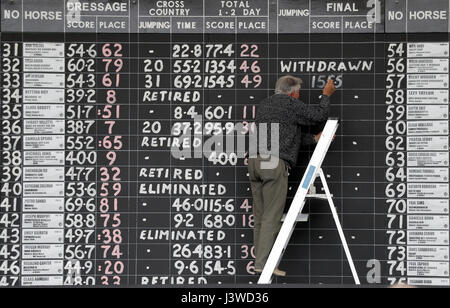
(269, 190)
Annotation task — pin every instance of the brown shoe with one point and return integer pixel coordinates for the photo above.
(279, 273)
(276, 272)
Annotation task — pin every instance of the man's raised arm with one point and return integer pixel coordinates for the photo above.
(311, 114)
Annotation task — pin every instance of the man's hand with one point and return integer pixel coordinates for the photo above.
(317, 137)
(329, 88)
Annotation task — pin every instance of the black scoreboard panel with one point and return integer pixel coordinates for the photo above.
(108, 109)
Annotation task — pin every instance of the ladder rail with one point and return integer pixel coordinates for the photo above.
(339, 227)
(298, 203)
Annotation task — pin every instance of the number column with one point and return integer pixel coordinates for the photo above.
(153, 159)
(252, 84)
(395, 159)
(112, 144)
(81, 160)
(220, 67)
(11, 164)
(187, 127)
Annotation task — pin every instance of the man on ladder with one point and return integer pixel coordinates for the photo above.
(270, 185)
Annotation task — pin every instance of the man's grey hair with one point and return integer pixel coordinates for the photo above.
(288, 84)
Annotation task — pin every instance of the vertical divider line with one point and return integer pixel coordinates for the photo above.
(374, 109)
(129, 207)
(342, 152)
(138, 116)
(268, 45)
(406, 103)
(170, 159)
(309, 97)
(203, 113)
(235, 169)
(65, 122)
(97, 212)
(23, 153)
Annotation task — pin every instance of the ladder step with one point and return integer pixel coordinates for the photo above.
(305, 217)
(300, 218)
(318, 196)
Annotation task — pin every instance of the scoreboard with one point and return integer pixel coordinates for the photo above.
(117, 119)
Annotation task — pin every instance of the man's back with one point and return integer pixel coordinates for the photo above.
(290, 114)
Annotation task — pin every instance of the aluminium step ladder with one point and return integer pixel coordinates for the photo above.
(295, 211)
